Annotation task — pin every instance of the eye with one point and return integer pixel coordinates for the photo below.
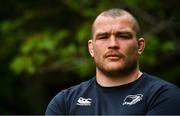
(124, 35)
(102, 36)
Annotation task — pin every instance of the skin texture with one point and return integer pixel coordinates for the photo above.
(115, 50)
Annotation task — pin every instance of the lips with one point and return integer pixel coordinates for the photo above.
(113, 55)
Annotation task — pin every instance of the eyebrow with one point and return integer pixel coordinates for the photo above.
(102, 34)
(125, 32)
(107, 33)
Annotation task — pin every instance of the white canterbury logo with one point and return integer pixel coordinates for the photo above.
(132, 99)
(84, 101)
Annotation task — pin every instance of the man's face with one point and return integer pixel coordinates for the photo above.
(114, 46)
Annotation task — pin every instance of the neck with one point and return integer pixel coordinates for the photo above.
(107, 81)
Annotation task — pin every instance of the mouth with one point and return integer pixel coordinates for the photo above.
(113, 56)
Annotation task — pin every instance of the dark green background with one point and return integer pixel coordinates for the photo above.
(43, 46)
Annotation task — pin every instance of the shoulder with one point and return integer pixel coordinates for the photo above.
(61, 101)
(76, 89)
(163, 97)
(154, 87)
(156, 82)
(158, 90)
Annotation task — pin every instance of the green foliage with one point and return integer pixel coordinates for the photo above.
(46, 42)
(21, 64)
(149, 57)
(36, 50)
(168, 46)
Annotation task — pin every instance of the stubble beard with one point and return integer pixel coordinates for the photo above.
(121, 71)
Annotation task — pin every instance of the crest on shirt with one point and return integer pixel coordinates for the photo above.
(132, 99)
(84, 101)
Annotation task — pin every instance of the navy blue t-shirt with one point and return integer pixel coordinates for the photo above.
(146, 96)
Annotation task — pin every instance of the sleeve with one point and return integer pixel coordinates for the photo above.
(166, 103)
(56, 105)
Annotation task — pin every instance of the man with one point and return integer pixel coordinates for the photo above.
(119, 87)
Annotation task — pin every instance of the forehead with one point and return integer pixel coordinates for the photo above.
(107, 23)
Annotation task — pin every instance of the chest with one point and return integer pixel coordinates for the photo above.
(108, 103)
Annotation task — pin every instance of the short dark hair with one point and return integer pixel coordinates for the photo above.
(117, 12)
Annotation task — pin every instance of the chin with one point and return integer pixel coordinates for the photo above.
(116, 71)
(114, 67)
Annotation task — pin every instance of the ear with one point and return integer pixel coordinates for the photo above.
(141, 45)
(90, 47)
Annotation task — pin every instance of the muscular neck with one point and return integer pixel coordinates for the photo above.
(106, 81)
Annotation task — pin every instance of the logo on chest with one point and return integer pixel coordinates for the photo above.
(132, 99)
(84, 101)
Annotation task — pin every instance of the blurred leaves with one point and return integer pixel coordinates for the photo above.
(168, 46)
(44, 44)
(149, 56)
(36, 50)
(21, 64)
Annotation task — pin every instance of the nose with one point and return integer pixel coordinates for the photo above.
(113, 43)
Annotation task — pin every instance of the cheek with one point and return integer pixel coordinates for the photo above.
(132, 50)
(98, 49)
(98, 53)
